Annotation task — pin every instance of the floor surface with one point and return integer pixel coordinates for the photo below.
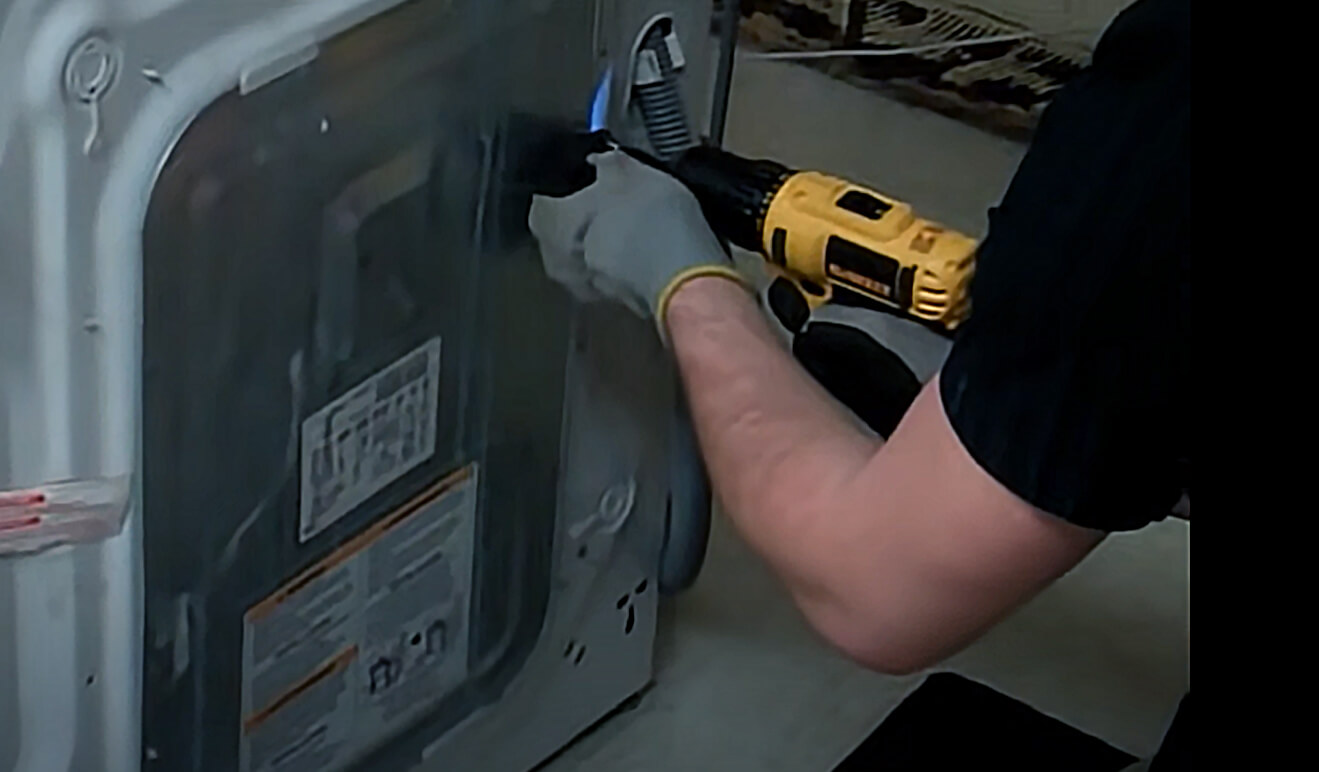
(742, 685)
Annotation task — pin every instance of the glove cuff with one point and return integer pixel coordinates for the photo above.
(681, 278)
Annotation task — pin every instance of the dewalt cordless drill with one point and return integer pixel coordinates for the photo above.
(831, 239)
(837, 241)
(827, 239)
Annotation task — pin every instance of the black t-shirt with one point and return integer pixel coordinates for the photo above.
(1068, 384)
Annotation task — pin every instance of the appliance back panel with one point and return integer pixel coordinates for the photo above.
(302, 238)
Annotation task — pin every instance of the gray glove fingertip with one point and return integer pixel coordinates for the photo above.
(561, 222)
(606, 157)
(543, 220)
(611, 165)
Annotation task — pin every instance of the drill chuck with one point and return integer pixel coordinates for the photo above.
(734, 192)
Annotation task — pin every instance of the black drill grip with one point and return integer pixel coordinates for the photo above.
(859, 371)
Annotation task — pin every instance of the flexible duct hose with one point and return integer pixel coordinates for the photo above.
(662, 109)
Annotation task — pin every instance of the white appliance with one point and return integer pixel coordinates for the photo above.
(304, 464)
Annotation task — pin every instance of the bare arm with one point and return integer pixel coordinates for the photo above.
(898, 553)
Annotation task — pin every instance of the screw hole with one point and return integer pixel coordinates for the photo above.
(416, 639)
(91, 679)
(567, 652)
(581, 551)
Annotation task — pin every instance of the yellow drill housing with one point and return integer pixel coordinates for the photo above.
(832, 235)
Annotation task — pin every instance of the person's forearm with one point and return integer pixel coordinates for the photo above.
(774, 441)
(898, 554)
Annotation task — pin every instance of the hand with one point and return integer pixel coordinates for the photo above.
(632, 236)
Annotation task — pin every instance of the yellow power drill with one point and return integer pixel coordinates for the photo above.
(833, 239)
(827, 239)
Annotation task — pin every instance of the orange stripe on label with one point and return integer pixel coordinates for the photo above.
(355, 545)
(331, 667)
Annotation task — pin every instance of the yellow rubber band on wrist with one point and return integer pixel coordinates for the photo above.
(681, 278)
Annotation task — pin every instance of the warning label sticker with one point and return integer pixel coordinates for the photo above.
(357, 646)
(368, 438)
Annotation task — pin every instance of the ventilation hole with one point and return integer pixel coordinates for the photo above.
(91, 679)
(642, 587)
(581, 652)
(631, 620)
(581, 551)
(623, 601)
(416, 639)
(567, 652)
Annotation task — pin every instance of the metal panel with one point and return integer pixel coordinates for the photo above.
(219, 218)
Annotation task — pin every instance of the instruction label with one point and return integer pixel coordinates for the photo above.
(366, 439)
(356, 647)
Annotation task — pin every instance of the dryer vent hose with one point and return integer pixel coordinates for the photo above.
(661, 104)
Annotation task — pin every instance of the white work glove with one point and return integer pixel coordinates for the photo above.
(635, 235)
